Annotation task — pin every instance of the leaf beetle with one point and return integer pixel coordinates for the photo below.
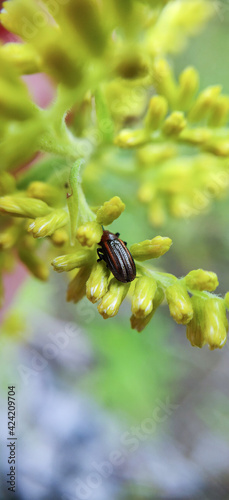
(117, 257)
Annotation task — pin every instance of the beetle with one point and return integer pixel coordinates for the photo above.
(117, 257)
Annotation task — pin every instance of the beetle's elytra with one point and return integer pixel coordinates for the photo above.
(117, 257)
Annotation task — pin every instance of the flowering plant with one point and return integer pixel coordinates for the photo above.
(118, 106)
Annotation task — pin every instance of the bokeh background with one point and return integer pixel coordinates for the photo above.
(102, 411)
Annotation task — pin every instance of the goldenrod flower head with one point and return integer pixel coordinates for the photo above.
(226, 300)
(7, 183)
(60, 237)
(188, 86)
(163, 80)
(174, 124)
(8, 237)
(128, 138)
(157, 213)
(131, 65)
(209, 324)
(13, 325)
(97, 283)
(110, 211)
(138, 323)
(196, 136)
(23, 57)
(90, 233)
(111, 301)
(72, 260)
(107, 82)
(46, 226)
(151, 155)
(177, 22)
(77, 286)
(45, 192)
(151, 249)
(142, 300)
(158, 107)
(23, 207)
(219, 112)
(85, 17)
(15, 103)
(201, 280)
(204, 103)
(179, 303)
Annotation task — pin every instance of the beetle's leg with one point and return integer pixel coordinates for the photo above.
(125, 243)
(117, 234)
(100, 254)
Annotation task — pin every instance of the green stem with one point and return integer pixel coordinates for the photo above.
(64, 144)
(79, 211)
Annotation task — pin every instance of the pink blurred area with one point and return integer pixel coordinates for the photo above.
(42, 93)
(40, 88)
(11, 283)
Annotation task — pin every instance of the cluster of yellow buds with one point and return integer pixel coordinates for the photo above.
(47, 216)
(176, 118)
(107, 81)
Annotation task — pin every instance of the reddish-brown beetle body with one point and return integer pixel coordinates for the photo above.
(117, 257)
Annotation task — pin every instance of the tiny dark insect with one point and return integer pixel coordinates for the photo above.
(117, 257)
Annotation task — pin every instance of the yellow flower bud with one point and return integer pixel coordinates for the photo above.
(14, 325)
(34, 264)
(226, 300)
(7, 183)
(179, 303)
(23, 57)
(19, 17)
(128, 138)
(85, 18)
(219, 112)
(46, 226)
(204, 103)
(8, 237)
(181, 207)
(164, 81)
(23, 207)
(146, 192)
(174, 124)
(217, 146)
(195, 135)
(151, 249)
(64, 67)
(142, 301)
(77, 287)
(151, 154)
(45, 192)
(157, 111)
(138, 323)
(15, 102)
(189, 83)
(60, 237)
(131, 65)
(157, 212)
(110, 211)
(111, 301)
(72, 260)
(97, 283)
(209, 324)
(90, 233)
(201, 280)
